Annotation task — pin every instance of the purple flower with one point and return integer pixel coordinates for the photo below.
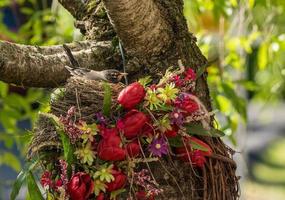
(158, 147)
(101, 119)
(176, 117)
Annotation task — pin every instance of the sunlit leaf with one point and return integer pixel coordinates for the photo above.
(238, 103)
(21, 179)
(34, 191)
(107, 102)
(263, 56)
(198, 129)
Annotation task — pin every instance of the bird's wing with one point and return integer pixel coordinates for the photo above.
(77, 71)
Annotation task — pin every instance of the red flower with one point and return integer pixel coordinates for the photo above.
(177, 80)
(190, 75)
(100, 196)
(171, 133)
(202, 144)
(80, 186)
(108, 132)
(133, 149)
(46, 179)
(142, 195)
(190, 105)
(198, 158)
(118, 183)
(132, 123)
(131, 95)
(109, 148)
(58, 183)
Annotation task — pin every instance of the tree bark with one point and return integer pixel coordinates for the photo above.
(33, 66)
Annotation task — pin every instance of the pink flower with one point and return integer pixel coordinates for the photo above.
(190, 75)
(177, 80)
(46, 179)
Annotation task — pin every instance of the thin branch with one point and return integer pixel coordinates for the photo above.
(140, 25)
(76, 8)
(34, 66)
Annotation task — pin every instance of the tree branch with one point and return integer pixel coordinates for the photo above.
(134, 22)
(33, 66)
(75, 7)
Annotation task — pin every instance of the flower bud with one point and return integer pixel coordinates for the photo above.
(131, 95)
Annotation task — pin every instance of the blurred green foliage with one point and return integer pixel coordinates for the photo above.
(44, 24)
(244, 41)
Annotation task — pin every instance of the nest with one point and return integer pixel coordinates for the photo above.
(216, 181)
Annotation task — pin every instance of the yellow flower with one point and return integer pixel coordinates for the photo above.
(152, 99)
(169, 92)
(89, 131)
(99, 186)
(85, 154)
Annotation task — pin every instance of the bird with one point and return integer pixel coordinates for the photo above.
(109, 75)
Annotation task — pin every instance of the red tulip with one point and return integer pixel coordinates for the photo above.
(118, 183)
(133, 149)
(100, 196)
(109, 149)
(142, 195)
(196, 157)
(208, 152)
(108, 132)
(80, 186)
(131, 95)
(132, 123)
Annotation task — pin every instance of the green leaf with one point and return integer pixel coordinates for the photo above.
(263, 56)
(3, 89)
(67, 148)
(197, 146)
(198, 129)
(107, 102)
(115, 193)
(18, 184)
(21, 178)
(238, 103)
(175, 142)
(34, 191)
(10, 160)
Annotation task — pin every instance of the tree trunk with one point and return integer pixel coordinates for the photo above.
(155, 36)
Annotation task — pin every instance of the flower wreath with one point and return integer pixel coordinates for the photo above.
(149, 122)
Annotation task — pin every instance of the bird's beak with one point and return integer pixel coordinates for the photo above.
(122, 75)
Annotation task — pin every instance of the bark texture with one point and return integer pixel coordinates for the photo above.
(34, 66)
